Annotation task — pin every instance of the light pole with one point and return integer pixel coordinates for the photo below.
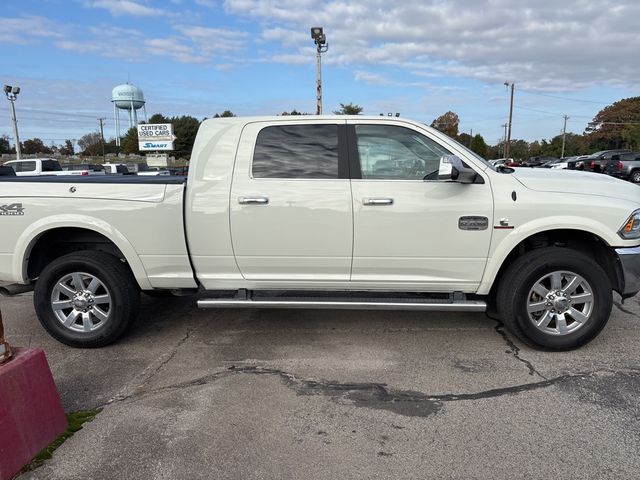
(320, 40)
(506, 147)
(12, 94)
(564, 133)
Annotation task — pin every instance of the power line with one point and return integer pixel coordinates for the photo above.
(565, 98)
(59, 113)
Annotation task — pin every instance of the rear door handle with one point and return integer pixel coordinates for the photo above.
(253, 200)
(377, 201)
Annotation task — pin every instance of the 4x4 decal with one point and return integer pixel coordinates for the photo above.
(13, 209)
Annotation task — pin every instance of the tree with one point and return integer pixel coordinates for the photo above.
(91, 144)
(129, 142)
(158, 118)
(348, 109)
(34, 145)
(293, 112)
(613, 126)
(447, 123)
(226, 113)
(67, 148)
(5, 146)
(185, 129)
(479, 146)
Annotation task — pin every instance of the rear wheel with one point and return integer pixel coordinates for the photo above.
(555, 298)
(635, 176)
(86, 299)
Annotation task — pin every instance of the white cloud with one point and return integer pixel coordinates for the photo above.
(27, 29)
(125, 7)
(541, 44)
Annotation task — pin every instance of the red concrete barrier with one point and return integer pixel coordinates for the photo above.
(31, 415)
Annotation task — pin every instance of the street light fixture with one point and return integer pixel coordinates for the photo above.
(12, 94)
(320, 39)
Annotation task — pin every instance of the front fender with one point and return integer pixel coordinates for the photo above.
(504, 241)
(30, 235)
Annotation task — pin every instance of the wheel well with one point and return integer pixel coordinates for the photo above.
(585, 242)
(61, 241)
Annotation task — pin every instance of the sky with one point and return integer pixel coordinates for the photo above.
(256, 57)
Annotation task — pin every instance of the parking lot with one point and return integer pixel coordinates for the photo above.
(240, 394)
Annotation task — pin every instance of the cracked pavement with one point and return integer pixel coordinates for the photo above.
(262, 394)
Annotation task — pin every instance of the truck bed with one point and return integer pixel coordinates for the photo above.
(110, 179)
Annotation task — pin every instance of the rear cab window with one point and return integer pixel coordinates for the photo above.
(297, 152)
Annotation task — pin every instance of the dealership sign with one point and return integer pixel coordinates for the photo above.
(155, 145)
(156, 131)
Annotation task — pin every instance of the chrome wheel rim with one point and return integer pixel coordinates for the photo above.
(560, 303)
(81, 302)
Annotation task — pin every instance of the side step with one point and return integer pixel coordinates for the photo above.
(454, 302)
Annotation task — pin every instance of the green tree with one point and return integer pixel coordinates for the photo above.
(348, 109)
(5, 146)
(129, 143)
(158, 118)
(67, 148)
(447, 123)
(185, 129)
(33, 146)
(293, 112)
(610, 126)
(91, 144)
(226, 113)
(479, 146)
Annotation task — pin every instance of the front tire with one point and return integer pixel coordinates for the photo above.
(555, 298)
(86, 299)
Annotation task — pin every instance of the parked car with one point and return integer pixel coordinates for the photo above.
(576, 163)
(537, 161)
(7, 171)
(625, 166)
(83, 169)
(282, 212)
(597, 162)
(115, 169)
(35, 166)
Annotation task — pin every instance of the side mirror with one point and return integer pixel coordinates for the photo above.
(454, 169)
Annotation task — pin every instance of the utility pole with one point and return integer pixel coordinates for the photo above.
(12, 95)
(564, 133)
(101, 120)
(320, 39)
(506, 148)
(504, 139)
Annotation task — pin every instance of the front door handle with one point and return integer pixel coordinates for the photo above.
(377, 201)
(253, 200)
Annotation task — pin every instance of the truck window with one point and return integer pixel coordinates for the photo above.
(389, 152)
(296, 151)
(29, 166)
(51, 166)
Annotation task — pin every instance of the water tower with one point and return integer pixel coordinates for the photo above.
(127, 97)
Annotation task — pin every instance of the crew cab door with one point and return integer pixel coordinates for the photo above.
(409, 227)
(291, 209)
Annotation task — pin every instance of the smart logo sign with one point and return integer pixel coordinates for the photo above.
(155, 136)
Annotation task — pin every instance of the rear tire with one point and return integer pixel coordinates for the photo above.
(635, 176)
(555, 298)
(86, 299)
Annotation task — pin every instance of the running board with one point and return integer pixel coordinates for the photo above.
(453, 304)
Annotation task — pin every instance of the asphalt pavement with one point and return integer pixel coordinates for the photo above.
(316, 394)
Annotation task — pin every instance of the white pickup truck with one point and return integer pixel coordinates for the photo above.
(326, 212)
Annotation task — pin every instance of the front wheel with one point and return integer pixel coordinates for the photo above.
(86, 299)
(555, 298)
